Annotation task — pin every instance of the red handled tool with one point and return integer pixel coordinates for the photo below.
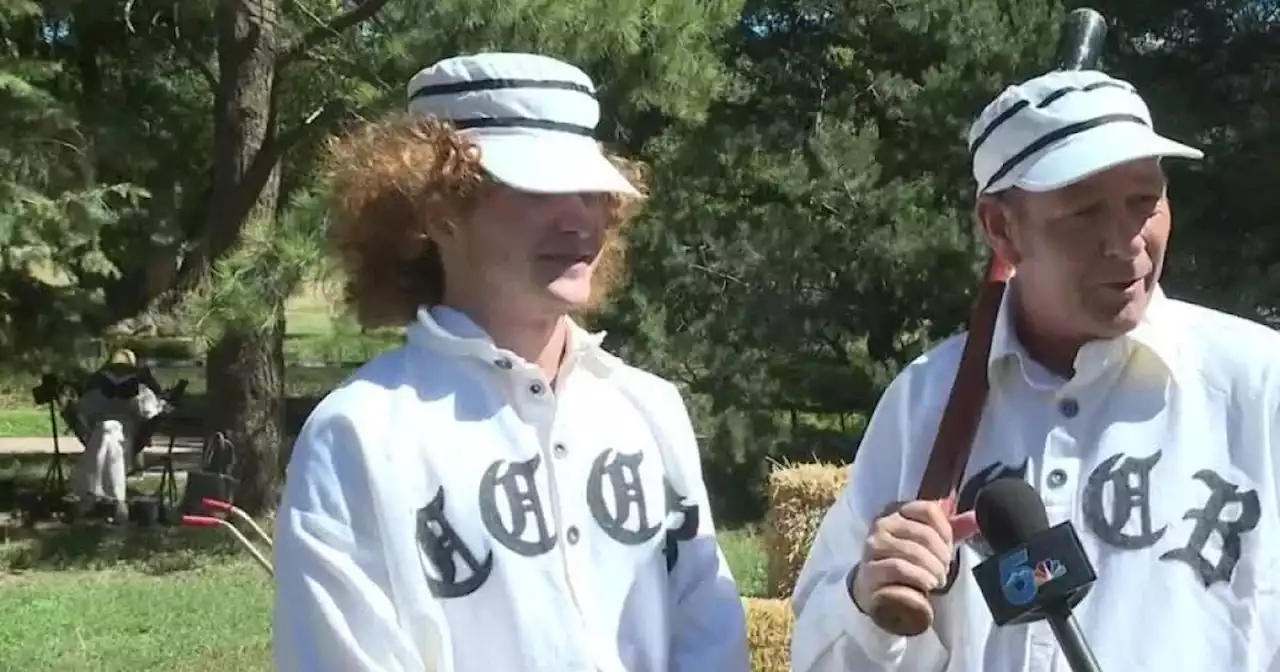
(230, 510)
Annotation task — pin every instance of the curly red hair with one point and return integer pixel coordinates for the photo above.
(389, 179)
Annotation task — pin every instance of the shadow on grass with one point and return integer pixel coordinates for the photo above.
(90, 545)
(26, 473)
(155, 551)
(21, 473)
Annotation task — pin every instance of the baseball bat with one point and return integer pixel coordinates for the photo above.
(903, 610)
(1084, 32)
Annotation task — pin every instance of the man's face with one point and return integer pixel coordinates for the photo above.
(1090, 253)
(535, 251)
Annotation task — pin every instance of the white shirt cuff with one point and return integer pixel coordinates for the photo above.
(877, 644)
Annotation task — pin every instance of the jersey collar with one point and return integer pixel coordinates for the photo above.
(450, 331)
(1153, 339)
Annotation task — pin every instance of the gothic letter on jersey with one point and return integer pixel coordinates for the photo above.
(681, 522)
(1130, 490)
(969, 494)
(628, 503)
(523, 503)
(1213, 519)
(447, 553)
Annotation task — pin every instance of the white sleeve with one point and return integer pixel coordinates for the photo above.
(1274, 440)
(333, 608)
(709, 628)
(831, 633)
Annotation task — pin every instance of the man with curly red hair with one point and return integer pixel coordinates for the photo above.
(500, 493)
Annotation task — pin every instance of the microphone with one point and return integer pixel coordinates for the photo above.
(1038, 572)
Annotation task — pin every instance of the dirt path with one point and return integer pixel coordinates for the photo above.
(70, 445)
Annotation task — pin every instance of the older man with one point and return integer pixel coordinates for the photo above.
(500, 494)
(1150, 423)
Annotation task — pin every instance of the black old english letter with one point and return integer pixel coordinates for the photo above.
(968, 494)
(686, 512)
(623, 474)
(1130, 483)
(523, 503)
(981, 479)
(445, 551)
(1210, 520)
(965, 500)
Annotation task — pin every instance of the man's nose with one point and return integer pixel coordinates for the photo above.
(578, 214)
(1122, 237)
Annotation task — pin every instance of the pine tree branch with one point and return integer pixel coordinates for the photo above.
(191, 57)
(329, 29)
(185, 51)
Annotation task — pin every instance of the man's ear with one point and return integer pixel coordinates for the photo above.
(997, 221)
(437, 229)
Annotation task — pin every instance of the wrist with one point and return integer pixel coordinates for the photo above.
(850, 583)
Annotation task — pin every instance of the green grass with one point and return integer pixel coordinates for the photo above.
(91, 598)
(316, 332)
(745, 554)
(24, 422)
(211, 619)
(133, 601)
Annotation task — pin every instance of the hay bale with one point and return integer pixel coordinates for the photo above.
(769, 625)
(799, 497)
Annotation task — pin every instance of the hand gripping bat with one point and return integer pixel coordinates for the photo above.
(900, 609)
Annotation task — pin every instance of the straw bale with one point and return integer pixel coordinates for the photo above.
(799, 497)
(769, 625)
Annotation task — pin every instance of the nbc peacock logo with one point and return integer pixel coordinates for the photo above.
(1048, 570)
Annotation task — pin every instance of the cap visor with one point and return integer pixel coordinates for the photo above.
(550, 164)
(1099, 149)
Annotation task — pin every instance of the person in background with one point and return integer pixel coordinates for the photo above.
(1153, 425)
(114, 404)
(499, 494)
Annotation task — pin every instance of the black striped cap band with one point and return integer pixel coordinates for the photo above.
(1048, 100)
(554, 101)
(522, 122)
(454, 88)
(1056, 135)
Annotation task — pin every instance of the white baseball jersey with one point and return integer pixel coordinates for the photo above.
(446, 510)
(1161, 451)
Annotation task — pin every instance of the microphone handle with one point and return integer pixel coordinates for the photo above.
(1065, 629)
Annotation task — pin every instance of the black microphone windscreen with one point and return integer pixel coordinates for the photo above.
(1009, 512)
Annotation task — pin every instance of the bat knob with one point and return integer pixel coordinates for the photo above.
(1083, 34)
(901, 610)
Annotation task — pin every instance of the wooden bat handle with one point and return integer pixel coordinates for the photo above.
(901, 610)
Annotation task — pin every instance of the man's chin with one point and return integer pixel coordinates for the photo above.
(1122, 319)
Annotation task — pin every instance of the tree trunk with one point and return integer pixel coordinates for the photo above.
(246, 389)
(245, 368)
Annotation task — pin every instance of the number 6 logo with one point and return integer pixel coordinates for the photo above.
(1017, 580)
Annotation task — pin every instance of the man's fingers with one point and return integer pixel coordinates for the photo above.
(963, 526)
(948, 505)
(883, 547)
(930, 514)
(901, 529)
(899, 571)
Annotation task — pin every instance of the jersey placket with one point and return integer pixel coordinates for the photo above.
(564, 454)
(1077, 406)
